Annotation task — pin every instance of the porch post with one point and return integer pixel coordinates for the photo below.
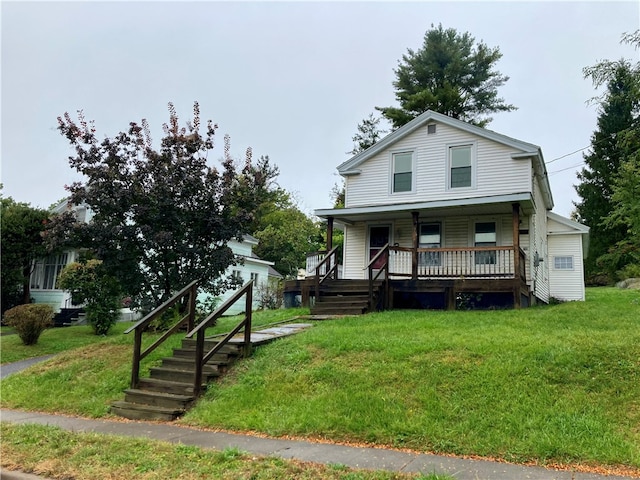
(329, 234)
(414, 255)
(516, 254)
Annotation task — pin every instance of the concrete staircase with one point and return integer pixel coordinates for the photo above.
(345, 297)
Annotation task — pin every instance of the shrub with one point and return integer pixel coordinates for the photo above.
(99, 292)
(29, 321)
(270, 294)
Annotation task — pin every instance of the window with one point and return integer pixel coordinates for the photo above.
(402, 172)
(563, 263)
(460, 165)
(254, 277)
(46, 271)
(237, 276)
(431, 129)
(430, 238)
(485, 236)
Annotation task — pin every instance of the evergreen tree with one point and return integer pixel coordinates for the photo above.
(612, 144)
(450, 74)
(369, 133)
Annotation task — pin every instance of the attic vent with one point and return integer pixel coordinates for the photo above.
(431, 128)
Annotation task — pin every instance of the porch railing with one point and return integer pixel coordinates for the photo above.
(187, 293)
(471, 262)
(326, 268)
(378, 266)
(201, 358)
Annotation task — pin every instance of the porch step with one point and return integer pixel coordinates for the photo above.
(181, 376)
(137, 411)
(158, 399)
(166, 386)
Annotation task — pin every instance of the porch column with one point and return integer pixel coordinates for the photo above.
(414, 255)
(516, 254)
(329, 234)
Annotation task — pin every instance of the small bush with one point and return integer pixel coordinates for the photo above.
(270, 294)
(29, 321)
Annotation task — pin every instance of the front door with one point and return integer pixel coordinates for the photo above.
(379, 236)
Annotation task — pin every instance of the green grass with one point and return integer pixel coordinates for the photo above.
(557, 384)
(57, 453)
(53, 340)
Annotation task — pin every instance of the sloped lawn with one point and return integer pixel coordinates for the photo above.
(557, 384)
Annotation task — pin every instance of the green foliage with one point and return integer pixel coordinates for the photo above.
(609, 188)
(286, 238)
(90, 284)
(29, 321)
(22, 243)
(162, 217)
(369, 132)
(270, 294)
(450, 74)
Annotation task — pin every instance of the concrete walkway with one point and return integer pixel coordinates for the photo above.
(356, 457)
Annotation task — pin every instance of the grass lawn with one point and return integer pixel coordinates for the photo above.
(57, 453)
(556, 384)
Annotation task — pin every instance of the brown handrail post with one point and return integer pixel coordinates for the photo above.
(414, 254)
(192, 308)
(247, 324)
(197, 381)
(135, 366)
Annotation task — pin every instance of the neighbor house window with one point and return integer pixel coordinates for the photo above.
(254, 277)
(46, 271)
(460, 166)
(430, 237)
(563, 263)
(485, 236)
(237, 276)
(402, 172)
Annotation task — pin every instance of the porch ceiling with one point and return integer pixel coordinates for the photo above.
(442, 208)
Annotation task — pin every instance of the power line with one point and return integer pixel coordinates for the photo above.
(567, 168)
(614, 134)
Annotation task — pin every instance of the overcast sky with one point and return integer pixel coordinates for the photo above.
(291, 80)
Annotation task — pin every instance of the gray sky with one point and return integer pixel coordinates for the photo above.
(291, 80)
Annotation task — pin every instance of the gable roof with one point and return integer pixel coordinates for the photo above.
(573, 228)
(528, 150)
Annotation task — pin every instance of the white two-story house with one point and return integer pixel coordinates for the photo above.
(446, 214)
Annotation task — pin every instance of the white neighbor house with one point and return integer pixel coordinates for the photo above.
(461, 209)
(46, 270)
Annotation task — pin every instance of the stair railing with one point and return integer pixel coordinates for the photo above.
(201, 358)
(190, 292)
(330, 264)
(383, 255)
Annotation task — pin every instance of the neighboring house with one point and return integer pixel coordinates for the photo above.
(458, 212)
(250, 268)
(47, 270)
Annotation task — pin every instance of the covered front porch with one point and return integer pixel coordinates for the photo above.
(416, 268)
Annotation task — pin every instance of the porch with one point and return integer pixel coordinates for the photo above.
(402, 277)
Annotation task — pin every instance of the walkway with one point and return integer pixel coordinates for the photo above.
(355, 457)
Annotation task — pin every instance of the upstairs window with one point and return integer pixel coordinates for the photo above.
(402, 172)
(460, 166)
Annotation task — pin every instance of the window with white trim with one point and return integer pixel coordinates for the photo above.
(402, 172)
(485, 236)
(46, 271)
(430, 237)
(563, 262)
(254, 277)
(460, 166)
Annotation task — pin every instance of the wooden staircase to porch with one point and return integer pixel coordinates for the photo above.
(345, 297)
(175, 385)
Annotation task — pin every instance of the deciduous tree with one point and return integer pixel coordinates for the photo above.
(21, 237)
(449, 74)
(162, 217)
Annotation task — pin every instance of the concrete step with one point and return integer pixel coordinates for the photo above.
(135, 411)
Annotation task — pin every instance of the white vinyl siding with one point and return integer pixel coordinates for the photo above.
(566, 283)
(496, 173)
(354, 251)
(538, 231)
